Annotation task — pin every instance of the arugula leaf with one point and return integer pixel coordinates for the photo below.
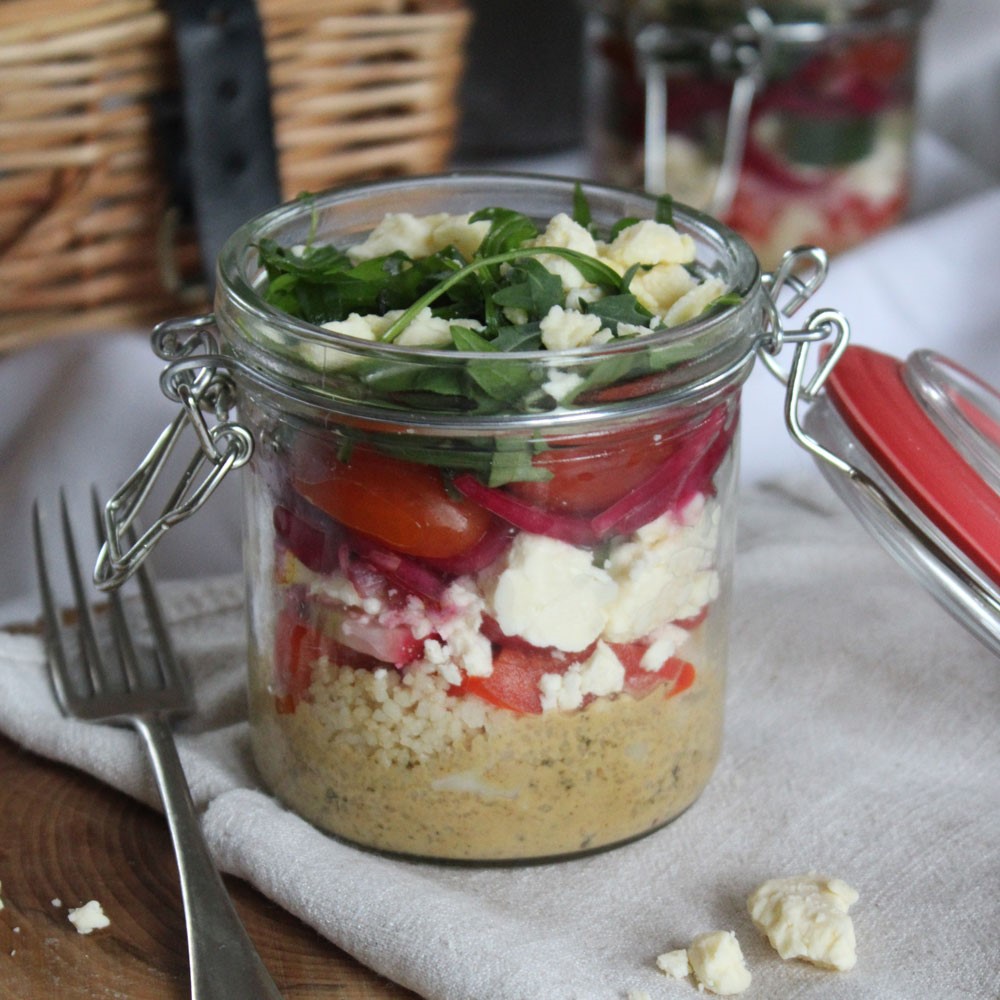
(615, 309)
(501, 382)
(664, 209)
(621, 224)
(604, 373)
(531, 288)
(581, 207)
(508, 230)
(593, 270)
(511, 463)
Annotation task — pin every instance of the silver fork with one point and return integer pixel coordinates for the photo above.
(105, 675)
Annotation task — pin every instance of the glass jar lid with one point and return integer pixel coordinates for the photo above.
(920, 443)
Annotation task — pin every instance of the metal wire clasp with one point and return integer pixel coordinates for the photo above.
(796, 279)
(197, 378)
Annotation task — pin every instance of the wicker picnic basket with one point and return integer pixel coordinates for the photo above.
(88, 240)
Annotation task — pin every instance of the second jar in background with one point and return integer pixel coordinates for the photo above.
(791, 121)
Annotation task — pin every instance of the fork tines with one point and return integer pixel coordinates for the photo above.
(102, 664)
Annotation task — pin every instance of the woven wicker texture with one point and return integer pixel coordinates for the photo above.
(87, 241)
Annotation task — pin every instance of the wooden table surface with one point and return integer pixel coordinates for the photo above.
(65, 836)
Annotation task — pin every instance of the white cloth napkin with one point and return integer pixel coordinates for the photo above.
(862, 741)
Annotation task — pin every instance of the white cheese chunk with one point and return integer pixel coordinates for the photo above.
(665, 572)
(600, 674)
(563, 329)
(806, 917)
(561, 383)
(550, 593)
(674, 963)
(420, 236)
(88, 918)
(661, 286)
(649, 242)
(693, 303)
(460, 628)
(427, 330)
(562, 231)
(717, 961)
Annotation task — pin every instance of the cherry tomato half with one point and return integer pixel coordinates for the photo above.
(589, 477)
(402, 505)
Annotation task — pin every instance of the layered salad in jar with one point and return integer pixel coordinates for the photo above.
(492, 647)
(827, 147)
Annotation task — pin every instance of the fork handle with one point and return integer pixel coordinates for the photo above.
(224, 962)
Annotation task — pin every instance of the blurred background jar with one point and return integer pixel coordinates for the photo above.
(791, 120)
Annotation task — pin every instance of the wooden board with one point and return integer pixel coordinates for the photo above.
(65, 836)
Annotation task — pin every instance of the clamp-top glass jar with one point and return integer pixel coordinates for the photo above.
(790, 120)
(488, 545)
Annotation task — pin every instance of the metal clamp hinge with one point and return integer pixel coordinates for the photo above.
(201, 383)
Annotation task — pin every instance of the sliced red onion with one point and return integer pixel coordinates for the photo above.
(575, 530)
(403, 571)
(662, 490)
(312, 537)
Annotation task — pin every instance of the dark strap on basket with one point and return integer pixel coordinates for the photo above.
(226, 167)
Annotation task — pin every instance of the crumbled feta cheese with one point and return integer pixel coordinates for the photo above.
(561, 383)
(358, 326)
(338, 588)
(89, 917)
(420, 236)
(564, 328)
(666, 641)
(600, 674)
(692, 304)
(427, 330)
(57, 903)
(659, 288)
(649, 242)
(665, 572)
(717, 962)
(806, 917)
(424, 330)
(460, 629)
(674, 963)
(562, 231)
(458, 231)
(438, 656)
(550, 593)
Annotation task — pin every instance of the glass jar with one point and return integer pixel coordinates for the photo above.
(449, 660)
(790, 120)
(488, 593)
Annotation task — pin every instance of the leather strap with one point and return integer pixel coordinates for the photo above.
(228, 158)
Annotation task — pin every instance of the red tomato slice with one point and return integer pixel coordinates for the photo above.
(587, 478)
(514, 682)
(296, 646)
(684, 679)
(639, 682)
(402, 505)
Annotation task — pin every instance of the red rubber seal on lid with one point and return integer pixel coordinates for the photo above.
(870, 393)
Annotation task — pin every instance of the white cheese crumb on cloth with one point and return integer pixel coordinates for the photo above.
(806, 917)
(717, 962)
(674, 963)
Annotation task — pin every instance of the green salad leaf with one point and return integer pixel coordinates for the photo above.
(494, 303)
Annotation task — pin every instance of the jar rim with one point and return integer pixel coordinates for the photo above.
(241, 306)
